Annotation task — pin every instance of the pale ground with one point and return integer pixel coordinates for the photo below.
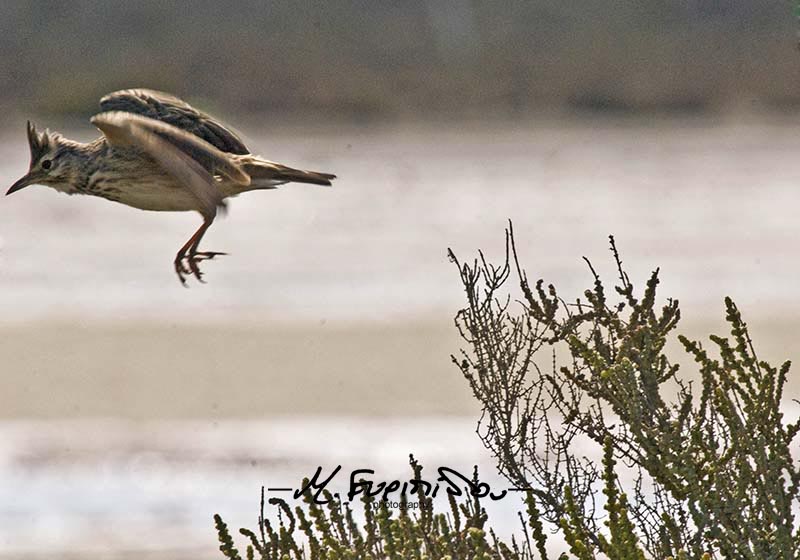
(130, 406)
(152, 371)
(157, 371)
(341, 300)
(111, 433)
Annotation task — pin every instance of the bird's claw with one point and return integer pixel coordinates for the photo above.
(188, 265)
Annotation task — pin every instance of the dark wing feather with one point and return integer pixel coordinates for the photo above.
(171, 110)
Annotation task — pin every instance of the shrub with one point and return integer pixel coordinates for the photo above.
(707, 473)
(710, 471)
(330, 531)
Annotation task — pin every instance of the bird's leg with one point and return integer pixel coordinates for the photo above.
(192, 256)
(180, 268)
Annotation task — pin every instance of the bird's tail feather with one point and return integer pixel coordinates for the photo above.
(262, 172)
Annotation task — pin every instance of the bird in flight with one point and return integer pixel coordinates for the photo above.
(157, 152)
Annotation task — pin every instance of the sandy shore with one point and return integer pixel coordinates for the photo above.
(54, 370)
(170, 371)
(204, 415)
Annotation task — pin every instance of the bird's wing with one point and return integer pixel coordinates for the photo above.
(192, 161)
(171, 110)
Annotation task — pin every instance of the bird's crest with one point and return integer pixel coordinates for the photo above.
(40, 142)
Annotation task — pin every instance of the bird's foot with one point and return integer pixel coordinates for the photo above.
(188, 265)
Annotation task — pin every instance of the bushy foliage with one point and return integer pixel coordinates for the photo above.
(709, 471)
(330, 531)
(705, 474)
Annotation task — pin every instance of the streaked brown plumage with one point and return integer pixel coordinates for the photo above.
(158, 153)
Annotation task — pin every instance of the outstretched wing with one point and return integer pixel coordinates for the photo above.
(171, 110)
(189, 159)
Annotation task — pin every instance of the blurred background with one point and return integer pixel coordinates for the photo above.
(133, 409)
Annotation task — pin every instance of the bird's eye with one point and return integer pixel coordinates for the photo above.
(47, 164)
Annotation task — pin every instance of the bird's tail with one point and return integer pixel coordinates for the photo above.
(266, 173)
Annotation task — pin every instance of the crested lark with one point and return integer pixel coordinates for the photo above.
(158, 153)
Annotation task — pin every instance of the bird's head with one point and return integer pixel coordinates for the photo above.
(53, 162)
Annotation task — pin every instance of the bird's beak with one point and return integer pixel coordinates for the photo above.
(21, 184)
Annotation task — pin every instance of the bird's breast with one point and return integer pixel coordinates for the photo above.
(143, 188)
